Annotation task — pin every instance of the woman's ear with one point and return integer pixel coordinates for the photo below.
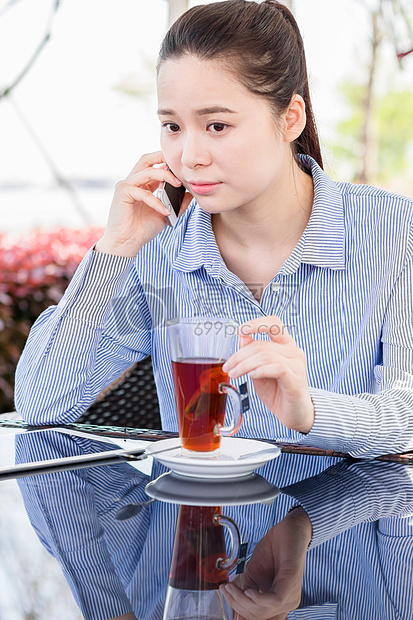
(295, 118)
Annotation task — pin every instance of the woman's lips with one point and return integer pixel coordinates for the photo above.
(202, 188)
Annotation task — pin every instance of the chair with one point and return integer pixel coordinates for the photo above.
(130, 401)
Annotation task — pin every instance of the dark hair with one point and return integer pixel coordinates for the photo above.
(261, 43)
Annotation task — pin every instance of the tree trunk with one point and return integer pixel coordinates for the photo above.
(368, 138)
(176, 8)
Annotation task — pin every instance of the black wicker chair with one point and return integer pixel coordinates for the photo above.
(130, 401)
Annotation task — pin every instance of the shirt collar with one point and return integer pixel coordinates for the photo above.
(196, 246)
(322, 243)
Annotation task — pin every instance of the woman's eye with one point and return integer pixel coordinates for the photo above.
(217, 127)
(171, 127)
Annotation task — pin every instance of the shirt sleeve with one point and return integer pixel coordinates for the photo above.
(78, 347)
(367, 425)
(346, 495)
(72, 513)
(395, 544)
(378, 498)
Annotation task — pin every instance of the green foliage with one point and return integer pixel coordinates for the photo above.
(395, 129)
(347, 146)
(391, 128)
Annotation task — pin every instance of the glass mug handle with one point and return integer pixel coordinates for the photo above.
(235, 396)
(235, 536)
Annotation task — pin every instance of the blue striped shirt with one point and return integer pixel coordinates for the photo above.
(345, 294)
(359, 565)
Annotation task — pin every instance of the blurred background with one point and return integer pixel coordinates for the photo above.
(77, 110)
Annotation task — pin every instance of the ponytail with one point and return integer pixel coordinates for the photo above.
(308, 142)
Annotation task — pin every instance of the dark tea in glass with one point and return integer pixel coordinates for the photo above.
(200, 405)
(200, 564)
(198, 348)
(198, 550)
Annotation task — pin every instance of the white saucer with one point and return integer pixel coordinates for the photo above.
(174, 488)
(228, 464)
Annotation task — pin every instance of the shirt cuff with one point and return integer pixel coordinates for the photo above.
(323, 611)
(349, 494)
(341, 422)
(98, 279)
(95, 585)
(319, 497)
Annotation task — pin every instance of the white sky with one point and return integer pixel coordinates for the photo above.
(69, 99)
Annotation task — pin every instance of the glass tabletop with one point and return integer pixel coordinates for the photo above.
(112, 528)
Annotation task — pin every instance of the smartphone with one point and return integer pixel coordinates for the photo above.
(172, 198)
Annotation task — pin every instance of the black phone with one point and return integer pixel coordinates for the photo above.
(172, 198)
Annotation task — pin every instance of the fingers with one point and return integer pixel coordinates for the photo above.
(271, 325)
(253, 604)
(265, 359)
(152, 169)
(151, 178)
(244, 340)
(257, 356)
(132, 194)
(148, 160)
(238, 601)
(144, 179)
(150, 175)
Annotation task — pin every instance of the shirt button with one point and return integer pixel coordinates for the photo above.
(275, 287)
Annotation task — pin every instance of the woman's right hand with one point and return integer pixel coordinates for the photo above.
(136, 215)
(272, 583)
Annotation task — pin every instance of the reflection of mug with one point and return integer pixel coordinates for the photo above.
(198, 349)
(200, 564)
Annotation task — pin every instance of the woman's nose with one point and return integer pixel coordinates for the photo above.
(194, 153)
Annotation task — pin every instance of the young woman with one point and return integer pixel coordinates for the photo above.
(269, 240)
(319, 274)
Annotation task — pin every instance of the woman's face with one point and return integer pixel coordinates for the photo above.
(219, 139)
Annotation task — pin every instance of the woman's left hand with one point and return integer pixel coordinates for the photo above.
(278, 370)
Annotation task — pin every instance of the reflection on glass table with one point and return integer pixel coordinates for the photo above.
(200, 564)
(31, 583)
(359, 564)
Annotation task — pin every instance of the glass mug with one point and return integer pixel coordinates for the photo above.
(200, 565)
(198, 348)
